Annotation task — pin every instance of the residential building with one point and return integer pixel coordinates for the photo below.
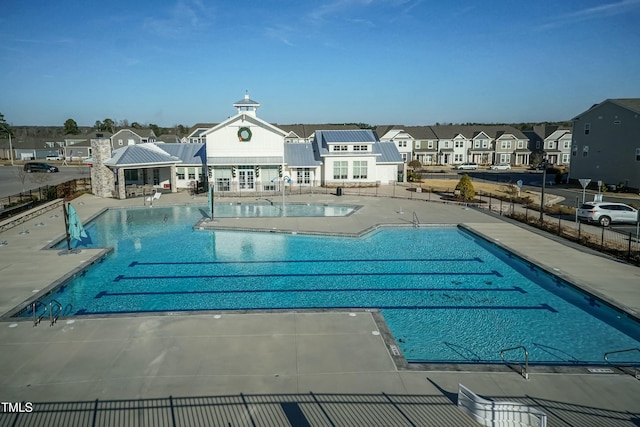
(606, 145)
(125, 137)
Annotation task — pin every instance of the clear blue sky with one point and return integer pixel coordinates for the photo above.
(375, 61)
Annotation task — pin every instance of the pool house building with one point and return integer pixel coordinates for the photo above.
(246, 153)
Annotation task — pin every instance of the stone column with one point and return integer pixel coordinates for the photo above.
(172, 179)
(122, 191)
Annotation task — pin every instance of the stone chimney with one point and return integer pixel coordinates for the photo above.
(102, 177)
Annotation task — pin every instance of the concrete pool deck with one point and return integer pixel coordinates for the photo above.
(319, 368)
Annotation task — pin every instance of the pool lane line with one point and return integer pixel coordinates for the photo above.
(546, 307)
(255, 291)
(476, 259)
(248, 276)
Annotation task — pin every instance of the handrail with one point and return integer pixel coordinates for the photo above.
(54, 318)
(34, 306)
(524, 371)
(416, 221)
(636, 371)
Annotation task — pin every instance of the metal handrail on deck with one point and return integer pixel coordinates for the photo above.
(636, 371)
(54, 318)
(36, 318)
(416, 221)
(524, 370)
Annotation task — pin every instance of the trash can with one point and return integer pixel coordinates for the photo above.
(339, 191)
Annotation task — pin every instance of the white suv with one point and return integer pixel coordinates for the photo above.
(605, 213)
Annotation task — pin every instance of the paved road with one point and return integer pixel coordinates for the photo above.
(11, 178)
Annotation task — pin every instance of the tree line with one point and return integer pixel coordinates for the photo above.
(110, 125)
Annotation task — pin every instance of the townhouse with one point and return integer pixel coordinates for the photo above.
(606, 146)
(455, 144)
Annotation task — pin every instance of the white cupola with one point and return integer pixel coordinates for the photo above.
(247, 105)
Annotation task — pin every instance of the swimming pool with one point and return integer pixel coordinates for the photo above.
(275, 209)
(445, 295)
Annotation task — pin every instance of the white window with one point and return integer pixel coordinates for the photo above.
(339, 148)
(360, 148)
(476, 144)
(457, 158)
(485, 143)
(565, 158)
(538, 145)
(445, 144)
(574, 150)
(587, 128)
(505, 145)
(520, 144)
(180, 173)
(637, 154)
(505, 158)
(339, 170)
(192, 173)
(360, 169)
(585, 151)
(417, 144)
(430, 144)
(459, 144)
(567, 144)
(120, 142)
(552, 145)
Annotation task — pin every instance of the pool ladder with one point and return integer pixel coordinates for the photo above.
(53, 318)
(415, 221)
(635, 366)
(524, 369)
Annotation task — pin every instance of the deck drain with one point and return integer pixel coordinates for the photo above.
(352, 314)
(13, 325)
(394, 350)
(375, 333)
(600, 370)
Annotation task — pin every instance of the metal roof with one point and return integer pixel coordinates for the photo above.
(140, 154)
(336, 136)
(389, 152)
(190, 154)
(301, 155)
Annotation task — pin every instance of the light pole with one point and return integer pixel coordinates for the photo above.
(10, 149)
(544, 178)
(285, 179)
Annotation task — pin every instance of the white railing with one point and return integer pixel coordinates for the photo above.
(497, 413)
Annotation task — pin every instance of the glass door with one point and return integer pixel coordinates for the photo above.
(246, 177)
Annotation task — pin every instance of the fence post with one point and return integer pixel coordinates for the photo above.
(579, 231)
(559, 224)
(602, 239)
(500, 207)
(629, 249)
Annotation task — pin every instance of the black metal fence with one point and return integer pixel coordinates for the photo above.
(21, 202)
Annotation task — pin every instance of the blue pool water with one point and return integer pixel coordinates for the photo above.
(445, 295)
(274, 208)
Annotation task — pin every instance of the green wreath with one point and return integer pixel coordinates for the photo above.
(244, 134)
